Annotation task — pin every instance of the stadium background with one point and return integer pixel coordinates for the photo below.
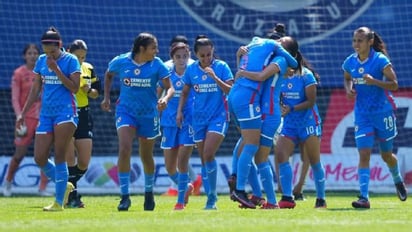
(323, 28)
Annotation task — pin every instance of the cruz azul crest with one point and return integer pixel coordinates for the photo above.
(306, 20)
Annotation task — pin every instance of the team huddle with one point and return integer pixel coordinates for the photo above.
(189, 104)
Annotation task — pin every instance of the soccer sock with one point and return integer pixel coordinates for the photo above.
(396, 175)
(319, 178)
(49, 170)
(148, 182)
(175, 177)
(364, 176)
(266, 176)
(62, 175)
(182, 187)
(205, 180)
(285, 178)
(235, 157)
(75, 174)
(211, 168)
(254, 180)
(124, 180)
(244, 163)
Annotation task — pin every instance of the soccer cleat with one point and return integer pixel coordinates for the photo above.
(211, 202)
(179, 206)
(74, 200)
(299, 197)
(241, 197)
(55, 207)
(287, 203)
(188, 192)
(171, 192)
(149, 203)
(7, 189)
(401, 191)
(125, 203)
(268, 205)
(69, 189)
(320, 203)
(197, 184)
(361, 203)
(258, 201)
(231, 182)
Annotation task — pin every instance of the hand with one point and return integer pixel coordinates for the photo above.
(284, 109)
(105, 105)
(241, 51)
(161, 104)
(51, 63)
(209, 71)
(351, 94)
(369, 80)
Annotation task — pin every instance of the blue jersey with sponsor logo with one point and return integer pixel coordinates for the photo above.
(168, 117)
(138, 83)
(270, 98)
(293, 93)
(55, 95)
(209, 100)
(370, 99)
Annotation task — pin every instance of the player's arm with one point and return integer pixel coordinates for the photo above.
(225, 86)
(15, 95)
(72, 83)
(269, 71)
(170, 90)
(33, 96)
(348, 84)
(390, 83)
(95, 88)
(108, 79)
(182, 103)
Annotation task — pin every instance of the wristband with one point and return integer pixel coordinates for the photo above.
(292, 108)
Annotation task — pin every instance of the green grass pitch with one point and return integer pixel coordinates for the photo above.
(387, 213)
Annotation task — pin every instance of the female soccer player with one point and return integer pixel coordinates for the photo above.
(368, 79)
(301, 124)
(21, 83)
(271, 78)
(82, 145)
(245, 103)
(210, 79)
(137, 110)
(58, 74)
(177, 142)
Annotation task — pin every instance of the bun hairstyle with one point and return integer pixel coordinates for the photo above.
(277, 32)
(176, 46)
(51, 37)
(177, 39)
(202, 40)
(77, 45)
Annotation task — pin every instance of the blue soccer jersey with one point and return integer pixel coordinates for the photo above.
(293, 93)
(138, 84)
(56, 97)
(168, 117)
(209, 100)
(270, 98)
(259, 51)
(370, 99)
